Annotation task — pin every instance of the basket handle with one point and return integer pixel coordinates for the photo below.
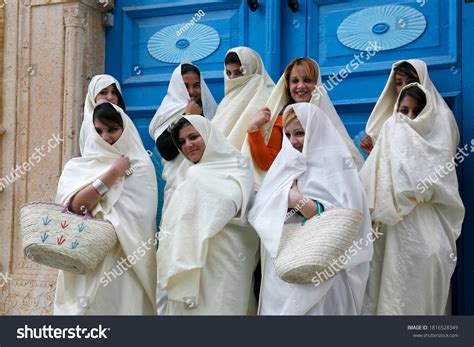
(320, 210)
(65, 209)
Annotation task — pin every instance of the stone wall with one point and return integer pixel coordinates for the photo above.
(49, 51)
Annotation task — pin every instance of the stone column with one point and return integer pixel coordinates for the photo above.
(51, 50)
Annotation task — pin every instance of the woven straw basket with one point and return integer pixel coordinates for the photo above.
(57, 238)
(311, 248)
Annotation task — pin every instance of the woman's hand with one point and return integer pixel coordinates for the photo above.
(260, 118)
(366, 144)
(192, 108)
(120, 166)
(294, 196)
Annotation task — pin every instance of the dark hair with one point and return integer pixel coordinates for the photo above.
(417, 94)
(232, 58)
(176, 128)
(185, 68)
(407, 70)
(108, 115)
(120, 103)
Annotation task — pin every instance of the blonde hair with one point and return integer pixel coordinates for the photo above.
(310, 69)
(290, 117)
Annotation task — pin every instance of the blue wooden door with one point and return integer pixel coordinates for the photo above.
(149, 38)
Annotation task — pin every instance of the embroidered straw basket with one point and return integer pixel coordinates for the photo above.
(57, 238)
(312, 246)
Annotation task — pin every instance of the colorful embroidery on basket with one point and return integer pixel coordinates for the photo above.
(81, 227)
(46, 220)
(44, 237)
(64, 224)
(60, 240)
(74, 244)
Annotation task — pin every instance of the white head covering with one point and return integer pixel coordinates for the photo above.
(97, 83)
(418, 206)
(130, 205)
(175, 102)
(384, 107)
(212, 193)
(244, 96)
(414, 148)
(278, 99)
(322, 171)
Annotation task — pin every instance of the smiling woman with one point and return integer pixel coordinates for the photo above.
(188, 140)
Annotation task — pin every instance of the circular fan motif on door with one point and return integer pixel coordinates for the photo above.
(179, 42)
(389, 26)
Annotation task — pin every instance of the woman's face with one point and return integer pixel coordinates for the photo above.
(295, 133)
(301, 86)
(109, 134)
(409, 107)
(110, 93)
(193, 85)
(191, 143)
(402, 81)
(233, 70)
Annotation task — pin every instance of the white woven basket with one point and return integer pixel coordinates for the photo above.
(57, 238)
(308, 249)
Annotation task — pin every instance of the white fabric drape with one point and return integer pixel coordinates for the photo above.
(244, 96)
(96, 84)
(384, 107)
(207, 258)
(320, 98)
(130, 205)
(172, 108)
(419, 212)
(322, 174)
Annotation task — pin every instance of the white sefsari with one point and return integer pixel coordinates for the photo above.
(324, 174)
(130, 205)
(384, 107)
(278, 100)
(207, 258)
(419, 212)
(244, 96)
(172, 108)
(97, 83)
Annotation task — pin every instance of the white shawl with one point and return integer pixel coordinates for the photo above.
(130, 205)
(324, 174)
(384, 107)
(207, 258)
(244, 96)
(320, 98)
(97, 83)
(172, 108)
(420, 212)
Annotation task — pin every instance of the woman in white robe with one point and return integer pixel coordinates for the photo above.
(176, 103)
(130, 205)
(244, 95)
(396, 81)
(207, 258)
(101, 87)
(419, 212)
(281, 97)
(323, 174)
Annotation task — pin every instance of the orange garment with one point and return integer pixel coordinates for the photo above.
(264, 154)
